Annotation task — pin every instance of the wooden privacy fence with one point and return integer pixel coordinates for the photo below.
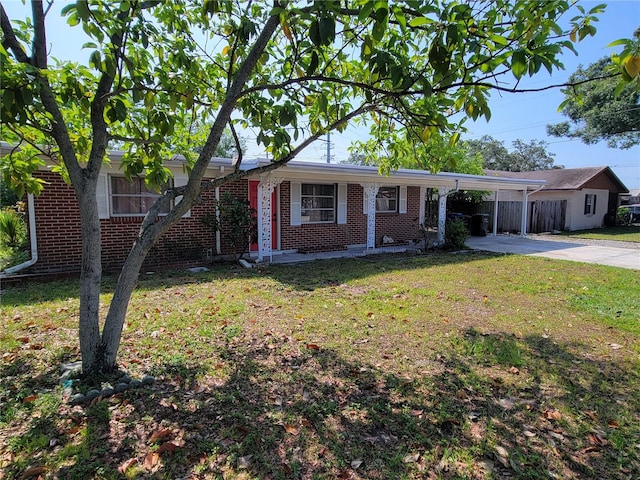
(543, 215)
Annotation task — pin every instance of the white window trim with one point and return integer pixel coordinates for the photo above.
(335, 202)
(592, 204)
(397, 202)
(401, 202)
(112, 213)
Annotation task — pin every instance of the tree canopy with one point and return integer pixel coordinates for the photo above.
(594, 110)
(524, 157)
(291, 71)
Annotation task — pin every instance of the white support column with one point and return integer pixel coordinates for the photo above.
(370, 191)
(495, 212)
(265, 188)
(523, 223)
(443, 193)
(423, 202)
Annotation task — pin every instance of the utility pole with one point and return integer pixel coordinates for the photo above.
(328, 147)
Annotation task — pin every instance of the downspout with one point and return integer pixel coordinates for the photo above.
(32, 237)
(442, 210)
(525, 202)
(218, 243)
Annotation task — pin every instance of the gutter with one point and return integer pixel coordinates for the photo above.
(32, 237)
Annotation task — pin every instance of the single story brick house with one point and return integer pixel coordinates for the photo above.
(302, 207)
(571, 198)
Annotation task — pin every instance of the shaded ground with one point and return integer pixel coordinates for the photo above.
(390, 367)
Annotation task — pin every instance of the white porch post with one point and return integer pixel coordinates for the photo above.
(371, 190)
(523, 223)
(265, 188)
(495, 212)
(443, 193)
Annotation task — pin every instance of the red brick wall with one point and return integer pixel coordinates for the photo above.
(59, 242)
(331, 236)
(400, 227)
(187, 243)
(57, 226)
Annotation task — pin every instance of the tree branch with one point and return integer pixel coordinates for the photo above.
(11, 42)
(39, 59)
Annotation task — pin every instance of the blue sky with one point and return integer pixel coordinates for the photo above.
(514, 116)
(525, 115)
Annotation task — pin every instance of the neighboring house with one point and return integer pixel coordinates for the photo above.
(302, 207)
(631, 198)
(571, 199)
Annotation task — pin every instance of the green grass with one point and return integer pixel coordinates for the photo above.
(622, 234)
(401, 367)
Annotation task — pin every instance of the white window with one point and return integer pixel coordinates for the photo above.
(131, 197)
(589, 204)
(317, 203)
(387, 199)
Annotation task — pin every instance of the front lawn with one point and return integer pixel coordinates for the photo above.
(621, 234)
(467, 366)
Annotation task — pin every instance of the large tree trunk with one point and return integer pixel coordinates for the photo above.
(114, 323)
(90, 276)
(152, 229)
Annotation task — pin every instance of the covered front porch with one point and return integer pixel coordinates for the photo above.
(270, 207)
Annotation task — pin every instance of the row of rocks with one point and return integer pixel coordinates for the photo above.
(70, 373)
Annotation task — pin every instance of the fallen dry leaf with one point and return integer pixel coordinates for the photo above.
(168, 447)
(312, 346)
(292, 429)
(159, 434)
(151, 460)
(514, 371)
(592, 415)
(613, 424)
(32, 472)
(29, 399)
(244, 462)
(597, 439)
(124, 466)
(552, 415)
(411, 458)
(306, 423)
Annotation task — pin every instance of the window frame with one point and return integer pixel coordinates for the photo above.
(396, 199)
(334, 198)
(145, 193)
(590, 204)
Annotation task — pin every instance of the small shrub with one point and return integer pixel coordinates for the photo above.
(623, 217)
(13, 229)
(237, 222)
(455, 234)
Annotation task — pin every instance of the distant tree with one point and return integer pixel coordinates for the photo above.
(595, 113)
(438, 152)
(525, 157)
(227, 148)
(356, 158)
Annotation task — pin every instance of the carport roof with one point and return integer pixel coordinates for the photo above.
(333, 172)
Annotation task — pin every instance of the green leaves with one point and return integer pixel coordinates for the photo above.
(322, 32)
(519, 63)
(171, 66)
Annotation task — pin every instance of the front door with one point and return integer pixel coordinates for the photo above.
(253, 202)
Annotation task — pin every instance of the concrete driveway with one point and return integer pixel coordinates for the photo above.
(615, 256)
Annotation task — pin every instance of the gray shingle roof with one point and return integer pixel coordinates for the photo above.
(563, 178)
